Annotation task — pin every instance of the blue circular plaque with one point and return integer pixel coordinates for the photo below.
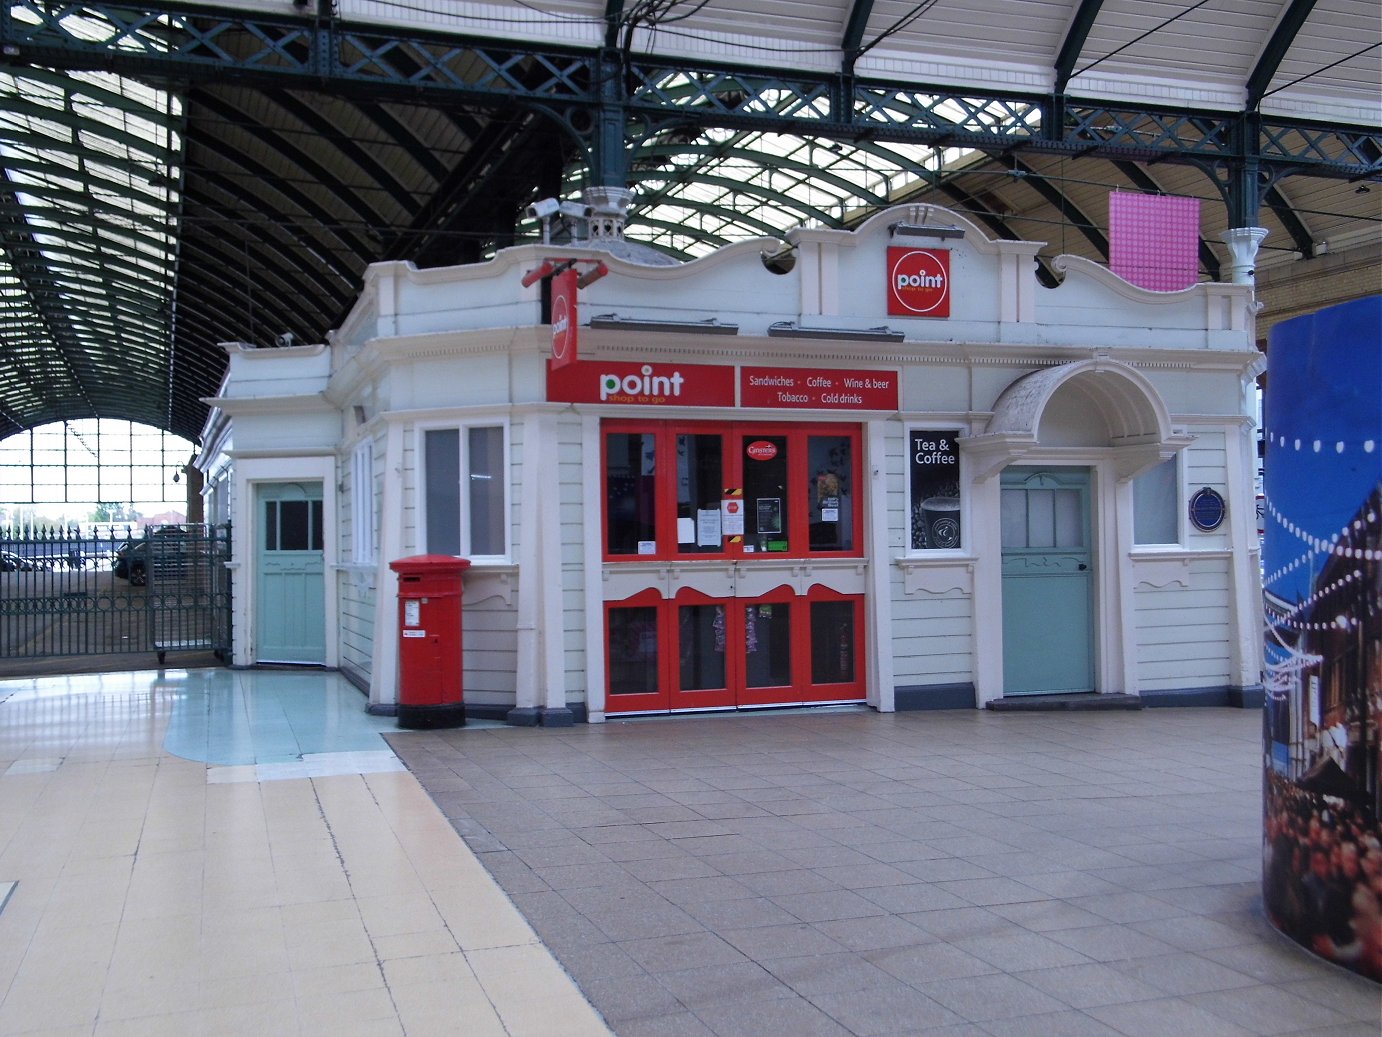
(1207, 509)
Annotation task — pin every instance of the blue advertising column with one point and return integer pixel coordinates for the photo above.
(1322, 585)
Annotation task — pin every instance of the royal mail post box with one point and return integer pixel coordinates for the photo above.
(430, 658)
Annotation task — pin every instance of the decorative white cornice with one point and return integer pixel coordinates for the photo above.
(243, 406)
(249, 351)
(919, 214)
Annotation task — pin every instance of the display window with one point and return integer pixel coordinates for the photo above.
(696, 652)
(691, 490)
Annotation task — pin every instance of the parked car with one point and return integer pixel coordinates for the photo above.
(13, 563)
(131, 562)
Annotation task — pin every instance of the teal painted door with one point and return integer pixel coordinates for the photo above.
(290, 623)
(1048, 582)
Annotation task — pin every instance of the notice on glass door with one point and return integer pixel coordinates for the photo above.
(732, 516)
(769, 514)
(708, 527)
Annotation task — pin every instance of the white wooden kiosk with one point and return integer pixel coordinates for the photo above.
(900, 472)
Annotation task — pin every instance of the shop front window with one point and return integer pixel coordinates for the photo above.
(765, 493)
(768, 645)
(700, 483)
(703, 638)
(633, 651)
(679, 490)
(630, 493)
(833, 643)
(697, 652)
(830, 492)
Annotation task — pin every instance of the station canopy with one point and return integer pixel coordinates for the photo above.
(183, 175)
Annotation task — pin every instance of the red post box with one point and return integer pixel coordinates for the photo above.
(429, 641)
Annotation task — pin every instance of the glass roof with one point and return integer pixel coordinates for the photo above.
(87, 276)
(144, 227)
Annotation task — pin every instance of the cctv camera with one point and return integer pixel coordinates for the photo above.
(541, 210)
(576, 209)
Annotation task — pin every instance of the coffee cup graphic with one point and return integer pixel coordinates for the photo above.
(941, 516)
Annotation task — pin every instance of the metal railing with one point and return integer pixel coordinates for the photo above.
(65, 592)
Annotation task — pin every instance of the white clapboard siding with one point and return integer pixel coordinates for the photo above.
(932, 637)
(1184, 638)
(571, 476)
(490, 639)
(356, 593)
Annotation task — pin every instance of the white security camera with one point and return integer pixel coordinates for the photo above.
(576, 209)
(541, 210)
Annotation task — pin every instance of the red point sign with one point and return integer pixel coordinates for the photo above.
(564, 318)
(919, 282)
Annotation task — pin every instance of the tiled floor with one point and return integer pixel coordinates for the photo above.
(202, 852)
(207, 852)
(966, 874)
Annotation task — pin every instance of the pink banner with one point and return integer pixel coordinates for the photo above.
(1154, 240)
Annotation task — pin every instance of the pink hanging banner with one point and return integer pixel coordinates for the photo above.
(1154, 240)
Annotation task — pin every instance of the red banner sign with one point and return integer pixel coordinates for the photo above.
(564, 318)
(794, 388)
(919, 282)
(655, 385)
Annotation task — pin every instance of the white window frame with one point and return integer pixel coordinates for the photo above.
(364, 514)
(462, 430)
(1177, 508)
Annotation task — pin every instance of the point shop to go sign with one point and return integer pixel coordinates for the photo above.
(657, 385)
(919, 282)
(712, 385)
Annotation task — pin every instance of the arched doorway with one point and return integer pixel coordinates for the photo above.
(1053, 467)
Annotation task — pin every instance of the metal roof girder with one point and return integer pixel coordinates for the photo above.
(564, 75)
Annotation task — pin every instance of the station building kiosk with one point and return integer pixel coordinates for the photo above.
(897, 470)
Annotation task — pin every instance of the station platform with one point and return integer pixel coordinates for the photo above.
(206, 851)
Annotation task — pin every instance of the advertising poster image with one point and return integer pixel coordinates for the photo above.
(934, 469)
(1322, 586)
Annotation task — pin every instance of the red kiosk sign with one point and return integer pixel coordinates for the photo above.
(918, 282)
(564, 318)
(649, 385)
(795, 388)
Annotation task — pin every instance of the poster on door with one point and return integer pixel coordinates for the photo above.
(934, 471)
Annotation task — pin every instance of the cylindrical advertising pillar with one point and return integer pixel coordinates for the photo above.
(1322, 584)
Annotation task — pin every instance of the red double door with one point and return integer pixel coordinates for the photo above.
(725, 510)
(695, 651)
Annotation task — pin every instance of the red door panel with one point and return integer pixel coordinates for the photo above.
(703, 650)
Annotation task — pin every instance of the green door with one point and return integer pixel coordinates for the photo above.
(1048, 582)
(290, 615)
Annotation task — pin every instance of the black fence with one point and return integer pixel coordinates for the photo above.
(66, 593)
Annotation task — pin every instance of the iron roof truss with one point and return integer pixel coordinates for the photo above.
(161, 236)
(173, 42)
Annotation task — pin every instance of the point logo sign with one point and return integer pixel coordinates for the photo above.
(564, 318)
(642, 386)
(919, 282)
